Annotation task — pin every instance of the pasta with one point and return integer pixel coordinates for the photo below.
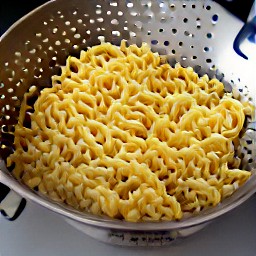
(122, 134)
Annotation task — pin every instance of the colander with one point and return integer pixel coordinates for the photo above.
(194, 33)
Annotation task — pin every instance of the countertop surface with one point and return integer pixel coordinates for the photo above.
(39, 232)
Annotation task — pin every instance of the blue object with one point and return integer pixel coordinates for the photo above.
(248, 31)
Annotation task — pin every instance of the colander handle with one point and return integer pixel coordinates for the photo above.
(11, 204)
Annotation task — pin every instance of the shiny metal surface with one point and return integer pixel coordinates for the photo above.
(196, 34)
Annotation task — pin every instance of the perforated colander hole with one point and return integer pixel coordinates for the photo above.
(119, 13)
(55, 30)
(174, 30)
(113, 4)
(75, 12)
(18, 84)
(46, 40)
(208, 60)
(213, 67)
(161, 30)
(154, 42)
(67, 41)
(16, 101)
(17, 54)
(208, 7)
(57, 43)
(75, 47)
(180, 44)
(215, 18)
(185, 20)
(73, 29)
(117, 33)
(100, 19)
(184, 5)
(161, 5)
(32, 51)
(209, 35)
(172, 7)
(77, 36)
(207, 49)
(129, 5)
(250, 160)
(114, 22)
(67, 23)
(166, 43)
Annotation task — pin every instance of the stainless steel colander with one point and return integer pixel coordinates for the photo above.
(195, 33)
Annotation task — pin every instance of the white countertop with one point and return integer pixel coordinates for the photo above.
(39, 232)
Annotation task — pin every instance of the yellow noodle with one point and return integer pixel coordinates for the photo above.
(121, 134)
